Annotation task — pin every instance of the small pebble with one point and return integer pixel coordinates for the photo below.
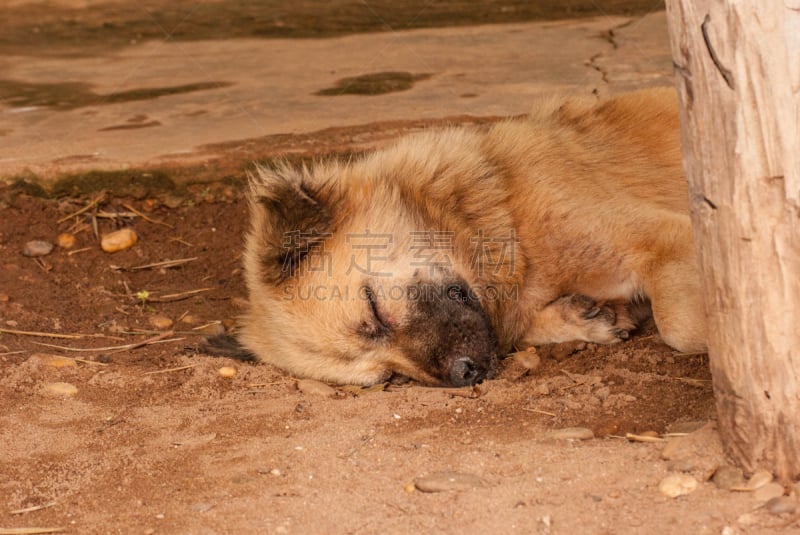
(65, 240)
(781, 505)
(161, 323)
(172, 201)
(315, 388)
(747, 519)
(410, 488)
(227, 372)
(520, 364)
(768, 492)
(61, 389)
(726, 477)
(275, 472)
(37, 248)
(444, 481)
(240, 303)
(118, 240)
(675, 485)
(229, 194)
(759, 479)
(699, 451)
(202, 507)
(4, 298)
(148, 205)
(571, 433)
(602, 393)
(188, 319)
(61, 362)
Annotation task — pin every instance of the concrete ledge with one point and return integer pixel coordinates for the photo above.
(212, 105)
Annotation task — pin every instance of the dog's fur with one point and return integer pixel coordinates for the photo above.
(546, 227)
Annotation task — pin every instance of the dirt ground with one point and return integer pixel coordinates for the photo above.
(153, 439)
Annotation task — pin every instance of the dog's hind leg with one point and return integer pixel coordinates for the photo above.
(676, 296)
(671, 280)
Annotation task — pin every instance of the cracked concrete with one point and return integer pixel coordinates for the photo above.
(640, 54)
(246, 89)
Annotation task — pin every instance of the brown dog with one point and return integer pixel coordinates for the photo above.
(432, 257)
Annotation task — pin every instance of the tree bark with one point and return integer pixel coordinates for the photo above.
(737, 67)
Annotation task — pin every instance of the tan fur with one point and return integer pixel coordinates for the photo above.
(592, 196)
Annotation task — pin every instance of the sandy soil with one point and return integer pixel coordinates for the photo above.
(155, 440)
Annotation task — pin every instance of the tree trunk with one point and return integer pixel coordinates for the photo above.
(737, 67)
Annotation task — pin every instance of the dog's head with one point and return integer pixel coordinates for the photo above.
(349, 283)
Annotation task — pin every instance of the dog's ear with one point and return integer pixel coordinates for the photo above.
(291, 217)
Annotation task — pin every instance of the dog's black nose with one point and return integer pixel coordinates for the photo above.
(465, 372)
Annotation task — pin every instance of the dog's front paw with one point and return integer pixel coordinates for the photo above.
(603, 322)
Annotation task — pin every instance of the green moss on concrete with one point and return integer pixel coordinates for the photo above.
(72, 95)
(377, 83)
(137, 184)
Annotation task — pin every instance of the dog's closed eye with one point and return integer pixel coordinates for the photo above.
(376, 327)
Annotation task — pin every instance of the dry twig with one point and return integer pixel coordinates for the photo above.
(95, 227)
(177, 296)
(114, 215)
(160, 339)
(146, 218)
(154, 265)
(642, 438)
(76, 251)
(86, 208)
(181, 241)
(29, 531)
(689, 353)
(31, 509)
(51, 335)
(537, 411)
(578, 380)
(206, 325)
(170, 370)
(84, 361)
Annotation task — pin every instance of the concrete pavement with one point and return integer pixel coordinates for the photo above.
(170, 103)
